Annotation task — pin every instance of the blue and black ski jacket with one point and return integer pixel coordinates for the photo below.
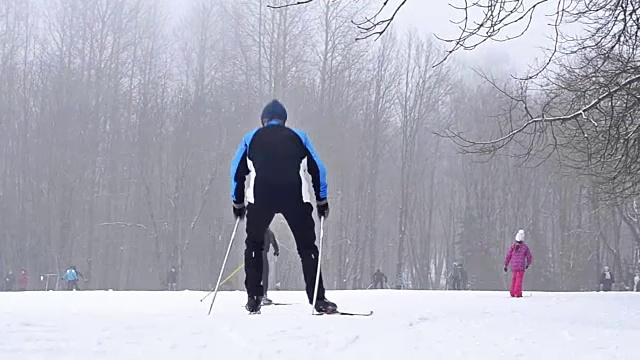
(277, 159)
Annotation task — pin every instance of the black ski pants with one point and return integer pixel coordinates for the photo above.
(299, 216)
(378, 284)
(457, 284)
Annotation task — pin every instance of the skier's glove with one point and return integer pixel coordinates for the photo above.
(239, 211)
(276, 252)
(323, 208)
(505, 269)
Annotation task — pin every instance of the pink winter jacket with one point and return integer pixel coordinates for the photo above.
(520, 258)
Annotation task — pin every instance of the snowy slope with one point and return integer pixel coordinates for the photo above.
(406, 325)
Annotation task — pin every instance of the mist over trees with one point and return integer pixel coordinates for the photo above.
(117, 128)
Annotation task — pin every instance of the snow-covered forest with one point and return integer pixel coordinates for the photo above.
(118, 123)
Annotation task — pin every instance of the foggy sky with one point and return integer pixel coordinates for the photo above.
(436, 16)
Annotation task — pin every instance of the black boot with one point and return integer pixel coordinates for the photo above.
(266, 301)
(253, 304)
(324, 306)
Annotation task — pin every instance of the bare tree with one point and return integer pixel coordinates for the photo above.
(116, 131)
(423, 90)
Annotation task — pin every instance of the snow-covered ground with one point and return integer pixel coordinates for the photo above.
(91, 325)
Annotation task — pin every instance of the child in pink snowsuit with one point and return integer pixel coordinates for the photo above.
(519, 256)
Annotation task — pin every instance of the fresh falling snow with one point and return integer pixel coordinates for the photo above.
(87, 325)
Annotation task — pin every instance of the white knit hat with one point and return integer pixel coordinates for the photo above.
(520, 235)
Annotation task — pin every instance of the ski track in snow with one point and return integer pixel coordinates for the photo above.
(405, 325)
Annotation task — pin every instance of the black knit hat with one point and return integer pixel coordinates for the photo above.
(274, 111)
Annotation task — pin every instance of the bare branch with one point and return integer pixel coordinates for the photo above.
(300, 2)
(370, 26)
(123, 225)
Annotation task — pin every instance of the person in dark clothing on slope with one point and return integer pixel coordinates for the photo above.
(606, 280)
(455, 277)
(277, 159)
(458, 277)
(172, 279)
(9, 281)
(269, 239)
(378, 278)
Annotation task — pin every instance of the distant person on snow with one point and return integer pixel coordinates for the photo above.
(458, 277)
(278, 159)
(378, 278)
(606, 280)
(23, 280)
(269, 239)
(71, 276)
(172, 279)
(519, 256)
(9, 281)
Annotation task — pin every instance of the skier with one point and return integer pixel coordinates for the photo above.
(455, 278)
(71, 276)
(519, 256)
(9, 281)
(458, 277)
(172, 279)
(277, 158)
(23, 280)
(378, 278)
(606, 280)
(269, 239)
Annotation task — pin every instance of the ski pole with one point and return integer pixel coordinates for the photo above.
(231, 275)
(224, 262)
(224, 281)
(315, 289)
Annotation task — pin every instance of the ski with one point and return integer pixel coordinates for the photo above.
(254, 313)
(347, 313)
(277, 303)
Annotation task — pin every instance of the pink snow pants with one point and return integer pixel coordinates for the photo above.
(516, 283)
